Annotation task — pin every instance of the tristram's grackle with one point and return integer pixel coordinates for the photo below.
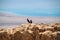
(29, 21)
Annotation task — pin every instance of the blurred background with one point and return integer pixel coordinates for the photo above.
(15, 12)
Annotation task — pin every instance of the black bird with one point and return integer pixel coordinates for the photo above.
(29, 21)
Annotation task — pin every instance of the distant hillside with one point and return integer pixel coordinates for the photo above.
(10, 19)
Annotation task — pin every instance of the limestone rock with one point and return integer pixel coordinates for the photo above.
(32, 31)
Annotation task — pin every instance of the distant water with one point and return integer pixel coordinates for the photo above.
(7, 25)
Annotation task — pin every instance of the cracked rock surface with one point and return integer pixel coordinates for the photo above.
(32, 31)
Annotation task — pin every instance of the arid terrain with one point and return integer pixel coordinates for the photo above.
(31, 31)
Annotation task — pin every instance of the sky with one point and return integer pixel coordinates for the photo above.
(31, 7)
